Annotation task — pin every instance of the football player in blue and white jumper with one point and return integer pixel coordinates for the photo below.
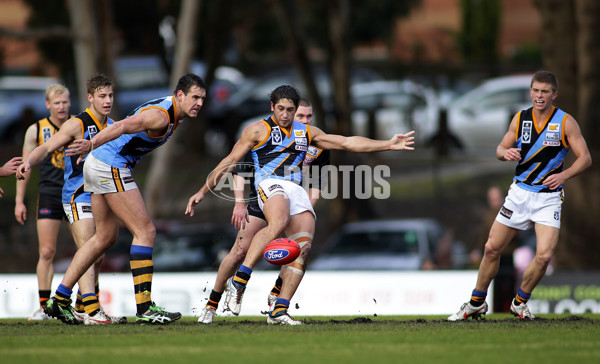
(538, 139)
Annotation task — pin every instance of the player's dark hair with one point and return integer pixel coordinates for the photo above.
(285, 92)
(187, 81)
(545, 77)
(97, 81)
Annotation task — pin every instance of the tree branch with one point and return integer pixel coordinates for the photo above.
(46, 33)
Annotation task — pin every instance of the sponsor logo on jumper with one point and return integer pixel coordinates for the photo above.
(553, 127)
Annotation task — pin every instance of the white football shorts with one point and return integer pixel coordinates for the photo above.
(76, 211)
(522, 209)
(296, 195)
(102, 178)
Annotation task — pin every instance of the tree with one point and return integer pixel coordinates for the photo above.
(481, 25)
(163, 158)
(570, 49)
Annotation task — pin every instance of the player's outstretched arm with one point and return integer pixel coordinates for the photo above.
(358, 144)
(70, 130)
(252, 135)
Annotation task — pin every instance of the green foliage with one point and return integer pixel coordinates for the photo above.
(428, 339)
(375, 19)
(481, 29)
(528, 53)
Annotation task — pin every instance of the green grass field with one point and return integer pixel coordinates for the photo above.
(499, 338)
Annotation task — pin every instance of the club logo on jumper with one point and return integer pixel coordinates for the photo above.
(92, 131)
(276, 254)
(527, 125)
(276, 137)
(46, 133)
(506, 212)
(553, 127)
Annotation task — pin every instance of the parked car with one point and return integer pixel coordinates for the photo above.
(480, 118)
(199, 247)
(22, 102)
(142, 78)
(177, 248)
(401, 244)
(396, 106)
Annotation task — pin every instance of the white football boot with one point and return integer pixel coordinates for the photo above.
(521, 311)
(283, 319)
(207, 314)
(39, 315)
(233, 297)
(467, 310)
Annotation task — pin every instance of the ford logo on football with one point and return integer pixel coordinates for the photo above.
(276, 254)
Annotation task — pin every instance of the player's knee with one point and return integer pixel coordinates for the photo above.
(47, 253)
(305, 251)
(238, 254)
(543, 258)
(492, 250)
(146, 233)
(298, 267)
(278, 224)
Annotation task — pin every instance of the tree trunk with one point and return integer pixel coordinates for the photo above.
(558, 43)
(285, 12)
(582, 193)
(84, 28)
(349, 208)
(163, 158)
(569, 33)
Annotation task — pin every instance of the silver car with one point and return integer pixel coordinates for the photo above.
(480, 118)
(401, 244)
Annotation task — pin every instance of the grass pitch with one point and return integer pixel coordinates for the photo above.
(499, 338)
